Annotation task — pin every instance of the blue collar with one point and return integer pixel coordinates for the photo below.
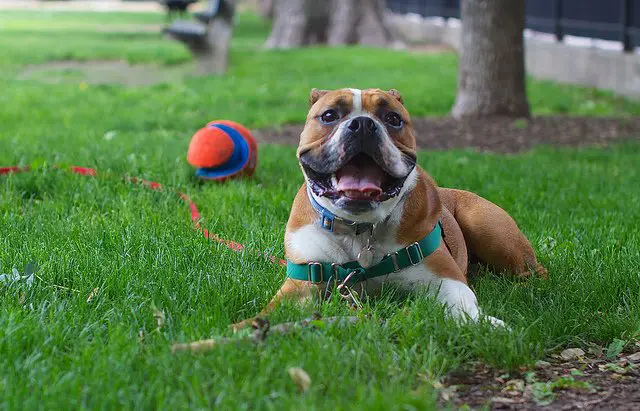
(335, 224)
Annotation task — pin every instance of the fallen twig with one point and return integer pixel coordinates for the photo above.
(61, 287)
(261, 328)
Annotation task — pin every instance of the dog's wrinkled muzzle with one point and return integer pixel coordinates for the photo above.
(357, 161)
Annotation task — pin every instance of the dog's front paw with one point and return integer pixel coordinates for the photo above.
(241, 325)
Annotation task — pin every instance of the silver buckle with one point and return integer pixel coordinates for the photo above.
(349, 224)
(309, 273)
(419, 252)
(343, 227)
(394, 259)
(343, 284)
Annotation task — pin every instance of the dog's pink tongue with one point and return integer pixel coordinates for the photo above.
(360, 181)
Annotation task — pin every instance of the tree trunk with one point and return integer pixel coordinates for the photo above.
(345, 19)
(265, 9)
(491, 73)
(296, 23)
(335, 22)
(373, 29)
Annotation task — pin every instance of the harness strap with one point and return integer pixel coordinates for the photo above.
(318, 272)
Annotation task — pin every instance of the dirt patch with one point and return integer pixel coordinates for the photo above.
(586, 383)
(503, 135)
(105, 72)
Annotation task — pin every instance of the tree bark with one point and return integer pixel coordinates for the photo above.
(265, 9)
(294, 25)
(491, 73)
(335, 22)
(344, 23)
(374, 29)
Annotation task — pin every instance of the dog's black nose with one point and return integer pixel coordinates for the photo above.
(361, 125)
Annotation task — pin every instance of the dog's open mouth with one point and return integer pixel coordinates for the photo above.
(360, 179)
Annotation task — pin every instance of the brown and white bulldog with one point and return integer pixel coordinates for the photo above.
(358, 156)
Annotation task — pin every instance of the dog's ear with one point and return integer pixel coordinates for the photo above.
(395, 94)
(315, 95)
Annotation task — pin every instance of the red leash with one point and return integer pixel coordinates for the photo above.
(152, 185)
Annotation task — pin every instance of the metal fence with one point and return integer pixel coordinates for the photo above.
(616, 20)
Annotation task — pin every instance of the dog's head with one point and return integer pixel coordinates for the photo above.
(357, 149)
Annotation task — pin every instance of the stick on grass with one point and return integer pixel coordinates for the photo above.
(261, 330)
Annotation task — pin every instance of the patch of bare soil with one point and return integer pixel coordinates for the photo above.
(584, 383)
(105, 72)
(502, 135)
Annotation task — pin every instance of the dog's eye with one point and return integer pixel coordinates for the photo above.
(329, 116)
(393, 119)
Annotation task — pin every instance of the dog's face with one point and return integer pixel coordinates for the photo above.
(357, 148)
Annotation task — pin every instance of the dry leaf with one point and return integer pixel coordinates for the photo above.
(92, 294)
(504, 400)
(447, 393)
(572, 354)
(542, 364)
(437, 385)
(596, 350)
(159, 316)
(634, 357)
(513, 387)
(300, 378)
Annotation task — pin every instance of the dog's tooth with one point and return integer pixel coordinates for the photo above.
(334, 180)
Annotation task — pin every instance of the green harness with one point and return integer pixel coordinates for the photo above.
(317, 272)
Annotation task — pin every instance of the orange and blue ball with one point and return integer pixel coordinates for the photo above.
(223, 149)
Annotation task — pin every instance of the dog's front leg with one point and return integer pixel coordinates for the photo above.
(452, 290)
(461, 301)
(292, 290)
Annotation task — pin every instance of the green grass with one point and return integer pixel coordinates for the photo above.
(580, 209)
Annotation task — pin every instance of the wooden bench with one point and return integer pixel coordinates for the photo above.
(209, 37)
(178, 7)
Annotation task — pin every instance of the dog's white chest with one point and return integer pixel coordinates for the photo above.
(315, 244)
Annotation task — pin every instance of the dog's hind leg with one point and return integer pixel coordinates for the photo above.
(491, 234)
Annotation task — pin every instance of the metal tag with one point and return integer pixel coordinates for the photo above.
(365, 256)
